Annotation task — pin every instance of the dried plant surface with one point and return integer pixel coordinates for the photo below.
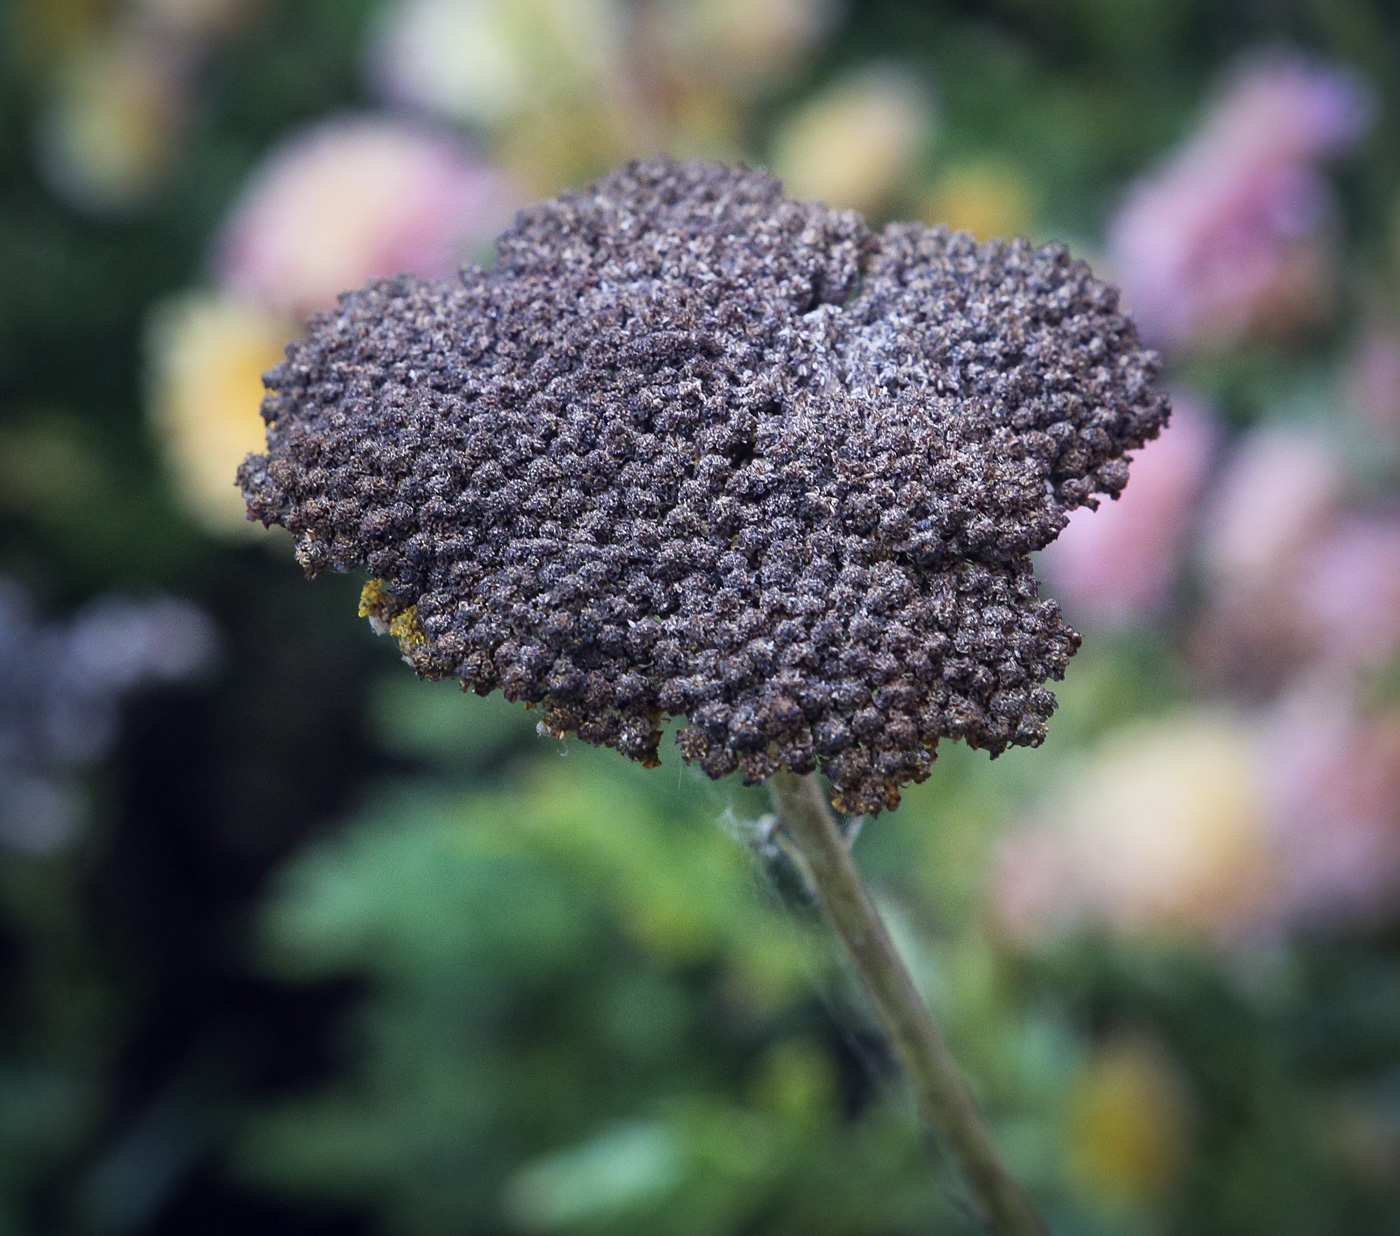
(692, 448)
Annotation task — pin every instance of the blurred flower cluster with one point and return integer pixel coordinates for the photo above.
(1270, 558)
(60, 686)
(1278, 805)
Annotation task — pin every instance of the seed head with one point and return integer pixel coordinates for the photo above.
(692, 448)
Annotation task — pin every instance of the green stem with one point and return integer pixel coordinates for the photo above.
(943, 1097)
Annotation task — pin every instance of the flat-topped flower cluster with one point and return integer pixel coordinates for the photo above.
(693, 448)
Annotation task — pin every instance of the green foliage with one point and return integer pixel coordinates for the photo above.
(582, 1009)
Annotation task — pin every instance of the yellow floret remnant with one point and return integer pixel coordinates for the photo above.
(374, 599)
(389, 615)
(406, 628)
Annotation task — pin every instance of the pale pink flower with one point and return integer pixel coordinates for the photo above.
(1118, 563)
(1373, 377)
(1228, 238)
(353, 198)
(1278, 493)
(1348, 592)
(1279, 497)
(1334, 792)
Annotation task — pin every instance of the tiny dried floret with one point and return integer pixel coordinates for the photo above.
(694, 449)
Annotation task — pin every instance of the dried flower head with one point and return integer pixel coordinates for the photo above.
(692, 448)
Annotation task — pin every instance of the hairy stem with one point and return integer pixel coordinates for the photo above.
(943, 1096)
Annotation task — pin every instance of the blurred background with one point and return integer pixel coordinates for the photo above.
(293, 943)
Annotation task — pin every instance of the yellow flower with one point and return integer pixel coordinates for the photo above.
(856, 145)
(1164, 832)
(45, 30)
(988, 199)
(1127, 1132)
(207, 355)
(111, 130)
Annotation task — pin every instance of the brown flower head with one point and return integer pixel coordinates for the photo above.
(692, 448)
